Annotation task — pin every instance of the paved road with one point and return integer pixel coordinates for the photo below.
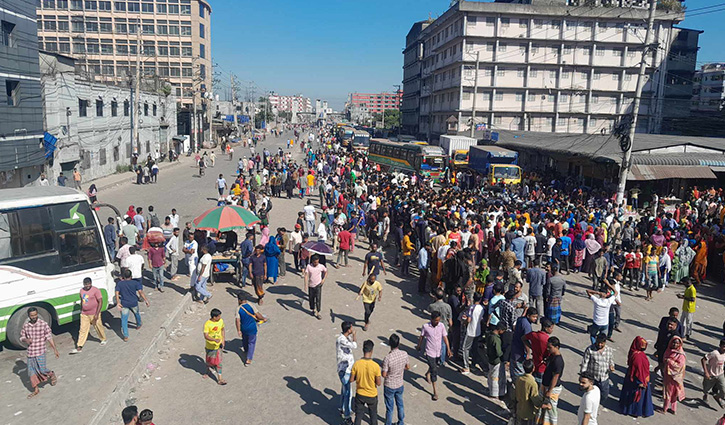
(293, 377)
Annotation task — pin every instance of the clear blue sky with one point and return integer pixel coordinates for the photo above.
(327, 48)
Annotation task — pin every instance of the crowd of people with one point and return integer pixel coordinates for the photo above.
(476, 247)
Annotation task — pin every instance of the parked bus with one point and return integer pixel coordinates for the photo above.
(345, 134)
(408, 157)
(360, 140)
(50, 240)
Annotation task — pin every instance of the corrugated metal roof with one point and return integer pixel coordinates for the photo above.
(683, 159)
(663, 172)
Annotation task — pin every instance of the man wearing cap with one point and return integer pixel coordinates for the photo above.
(282, 242)
(294, 243)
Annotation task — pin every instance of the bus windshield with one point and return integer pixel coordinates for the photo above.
(432, 162)
(506, 172)
(361, 140)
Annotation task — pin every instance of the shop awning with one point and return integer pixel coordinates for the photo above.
(664, 172)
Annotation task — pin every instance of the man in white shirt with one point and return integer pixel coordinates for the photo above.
(309, 210)
(295, 242)
(135, 262)
(602, 302)
(589, 405)
(530, 248)
(174, 218)
(191, 251)
(221, 184)
(346, 342)
(202, 276)
(473, 332)
(172, 251)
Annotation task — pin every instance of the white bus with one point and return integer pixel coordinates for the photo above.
(50, 239)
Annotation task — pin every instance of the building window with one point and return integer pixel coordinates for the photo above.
(104, 5)
(201, 30)
(7, 34)
(466, 95)
(185, 9)
(597, 75)
(584, 76)
(627, 77)
(99, 108)
(533, 73)
(556, 24)
(116, 153)
(12, 90)
(114, 108)
(500, 73)
(497, 120)
(499, 96)
(519, 97)
(602, 27)
(185, 30)
(62, 4)
(147, 7)
(586, 51)
(202, 51)
(82, 108)
(146, 109)
(615, 77)
(126, 108)
(523, 24)
(538, 23)
(471, 20)
(505, 22)
(563, 97)
(148, 29)
(154, 110)
(600, 51)
(565, 75)
(120, 6)
(201, 10)
(489, 47)
(567, 49)
(134, 7)
(552, 75)
(618, 52)
(76, 4)
(91, 5)
(502, 47)
(102, 156)
(48, 4)
(63, 26)
(490, 21)
(520, 72)
(595, 99)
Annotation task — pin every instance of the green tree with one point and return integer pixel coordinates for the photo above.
(392, 118)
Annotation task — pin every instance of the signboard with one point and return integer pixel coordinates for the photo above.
(494, 136)
(480, 127)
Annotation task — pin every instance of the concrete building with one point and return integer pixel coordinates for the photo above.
(92, 121)
(21, 128)
(708, 90)
(681, 65)
(550, 66)
(412, 65)
(294, 104)
(376, 103)
(104, 37)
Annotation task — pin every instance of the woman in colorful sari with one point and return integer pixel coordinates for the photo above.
(674, 375)
(636, 396)
(700, 268)
(271, 251)
(579, 248)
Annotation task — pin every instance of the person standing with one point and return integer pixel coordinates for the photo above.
(109, 235)
(191, 255)
(367, 377)
(602, 302)
(35, 333)
(527, 395)
(536, 277)
(247, 321)
(135, 263)
(370, 291)
(424, 255)
(309, 210)
(673, 374)
(589, 404)
(635, 399)
(345, 343)
(551, 383)
(172, 251)
(344, 239)
(689, 305)
(395, 364)
(555, 291)
(472, 320)
(282, 242)
(62, 179)
(598, 362)
(407, 249)
(496, 363)
(258, 270)
(221, 184)
(246, 251)
(91, 304)
(43, 181)
(77, 178)
(315, 274)
(202, 276)
(535, 345)
(128, 291)
(518, 349)
(713, 378)
(295, 243)
(156, 261)
(434, 334)
(374, 262)
(214, 337)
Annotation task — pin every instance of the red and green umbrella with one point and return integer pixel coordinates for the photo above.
(226, 218)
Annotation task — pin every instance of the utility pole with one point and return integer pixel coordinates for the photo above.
(234, 104)
(137, 98)
(475, 94)
(626, 141)
(399, 101)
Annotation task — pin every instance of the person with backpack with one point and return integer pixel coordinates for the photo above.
(152, 220)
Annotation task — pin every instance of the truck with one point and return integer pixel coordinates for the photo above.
(496, 164)
(456, 147)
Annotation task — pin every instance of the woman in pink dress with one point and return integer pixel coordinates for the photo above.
(674, 375)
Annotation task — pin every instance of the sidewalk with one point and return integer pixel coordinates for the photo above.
(119, 178)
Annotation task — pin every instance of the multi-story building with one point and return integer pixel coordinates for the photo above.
(681, 65)
(412, 65)
(294, 104)
(170, 38)
(376, 103)
(92, 121)
(21, 126)
(708, 90)
(549, 65)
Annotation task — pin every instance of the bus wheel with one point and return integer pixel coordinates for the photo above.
(20, 318)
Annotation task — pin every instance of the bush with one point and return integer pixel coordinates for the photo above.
(122, 168)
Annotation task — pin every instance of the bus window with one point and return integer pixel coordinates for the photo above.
(5, 248)
(31, 231)
(80, 249)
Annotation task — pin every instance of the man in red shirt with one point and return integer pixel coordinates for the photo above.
(535, 346)
(91, 303)
(344, 238)
(157, 261)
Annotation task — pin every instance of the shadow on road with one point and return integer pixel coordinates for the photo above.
(315, 401)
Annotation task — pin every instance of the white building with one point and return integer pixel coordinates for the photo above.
(92, 121)
(294, 104)
(546, 66)
(708, 88)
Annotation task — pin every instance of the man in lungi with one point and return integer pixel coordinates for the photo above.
(35, 333)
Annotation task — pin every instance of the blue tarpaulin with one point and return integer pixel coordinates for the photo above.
(49, 142)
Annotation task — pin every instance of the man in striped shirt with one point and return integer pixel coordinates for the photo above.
(394, 364)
